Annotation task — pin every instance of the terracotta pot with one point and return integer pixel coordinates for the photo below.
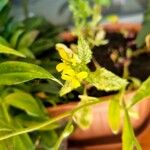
(99, 135)
(100, 129)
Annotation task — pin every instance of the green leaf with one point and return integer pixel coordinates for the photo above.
(143, 92)
(3, 3)
(27, 52)
(3, 146)
(22, 142)
(103, 2)
(27, 39)
(24, 101)
(4, 16)
(128, 138)
(6, 144)
(66, 132)
(8, 50)
(81, 11)
(66, 88)
(4, 126)
(105, 80)
(15, 72)
(4, 42)
(48, 139)
(84, 52)
(83, 117)
(15, 37)
(114, 113)
(140, 40)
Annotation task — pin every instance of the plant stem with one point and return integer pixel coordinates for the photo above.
(60, 139)
(53, 120)
(126, 69)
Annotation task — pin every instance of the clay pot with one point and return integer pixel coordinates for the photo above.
(99, 136)
(99, 130)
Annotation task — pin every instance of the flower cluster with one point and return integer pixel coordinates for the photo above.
(68, 66)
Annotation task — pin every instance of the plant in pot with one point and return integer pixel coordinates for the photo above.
(22, 112)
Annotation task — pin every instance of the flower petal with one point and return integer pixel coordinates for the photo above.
(70, 72)
(82, 75)
(66, 77)
(75, 83)
(60, 67)
(64, 51)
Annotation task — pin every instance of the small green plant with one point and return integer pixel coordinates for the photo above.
(21, 113)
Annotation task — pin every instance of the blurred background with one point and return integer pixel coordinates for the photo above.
(56, 11)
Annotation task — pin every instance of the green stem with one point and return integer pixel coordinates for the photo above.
(126, 69)
(53, 120)
(59, 141)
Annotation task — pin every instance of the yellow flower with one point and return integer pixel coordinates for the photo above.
(75, 59)
(64, 52)
(73, 77)
(67, 55)
(62, 66)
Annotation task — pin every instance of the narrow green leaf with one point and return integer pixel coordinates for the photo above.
(3, 146)
(27, 52)
(24, 101)
(4, 126)
(128, 138)
(103, 2)
(84, 52)
(114, 113)
(3, 3)
(22, 142)
(105, 80)
(48, 139)
(6, 144)
(83, 117)
(4, 42)
(15, 37)
(28, 39)
(140, 40)
(66, 88)
(143, 92)
(8, 50)
(15, 72)
(66, 132)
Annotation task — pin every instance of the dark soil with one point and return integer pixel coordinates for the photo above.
(139, 67)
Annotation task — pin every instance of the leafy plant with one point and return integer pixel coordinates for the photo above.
(22, 112)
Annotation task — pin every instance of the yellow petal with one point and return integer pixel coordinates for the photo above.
(75, 83)
(82, 75)
(64, 51)
(75, 59)
(70, 72)
(66, 77)
(60, 67)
